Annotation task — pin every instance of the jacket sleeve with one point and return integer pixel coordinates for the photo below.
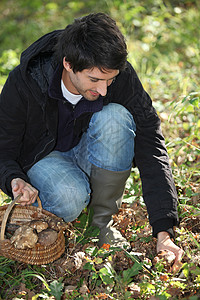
(151, 156)
(152, 160)
(12, 129)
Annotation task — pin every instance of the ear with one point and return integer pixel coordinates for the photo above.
(67, 65)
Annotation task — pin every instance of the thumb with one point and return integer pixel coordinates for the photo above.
(15, 187)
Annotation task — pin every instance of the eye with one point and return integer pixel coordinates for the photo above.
(93, 80)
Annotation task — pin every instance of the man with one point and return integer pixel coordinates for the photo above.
(74, 117)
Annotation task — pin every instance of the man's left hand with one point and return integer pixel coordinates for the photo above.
(164, 242)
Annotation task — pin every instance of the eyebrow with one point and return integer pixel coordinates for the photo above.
(91, 77)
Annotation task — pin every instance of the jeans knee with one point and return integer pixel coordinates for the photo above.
(111, 138)
(66, 203)
(114, 122)
(75, 202)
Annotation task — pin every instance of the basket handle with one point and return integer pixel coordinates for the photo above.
(39, 202)
(8, 210)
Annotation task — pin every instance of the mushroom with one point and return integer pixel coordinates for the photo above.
(57, 224)
(47, 237)
(24, 237)
(39, 225)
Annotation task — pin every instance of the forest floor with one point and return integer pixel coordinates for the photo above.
(86, 272)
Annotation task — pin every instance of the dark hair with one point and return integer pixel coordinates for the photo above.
(92, 41)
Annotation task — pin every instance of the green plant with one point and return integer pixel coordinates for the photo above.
(163, 44)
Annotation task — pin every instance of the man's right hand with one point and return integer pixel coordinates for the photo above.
(29, 193)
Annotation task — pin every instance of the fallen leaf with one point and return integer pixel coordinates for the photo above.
(106, 246)
(84, 289)
(78, 259)
(70, 288)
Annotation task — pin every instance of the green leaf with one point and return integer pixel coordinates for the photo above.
(106, 274)
(4, 271)
(194, 298)
(40, 278)
(129, 273)
(194, 240)
(186, 272)
(178, 284)
(94, 276)
(106, 279)
(89, 266)
(56, 288)
(146, 286)
(105, 271)
(196, 271)
(81, 222)
(195, 102)
(92, 232)
(98, 260)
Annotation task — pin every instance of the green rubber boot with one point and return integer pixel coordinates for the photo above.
(107, 193)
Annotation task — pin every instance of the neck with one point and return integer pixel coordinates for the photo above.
(67, 82)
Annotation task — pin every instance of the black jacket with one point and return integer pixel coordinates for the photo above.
(29, 120)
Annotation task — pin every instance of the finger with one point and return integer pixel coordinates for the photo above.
(17, 193)
(33, 195)
(28, 202)
(26, 197)
(29, 195)
(32, 199)
(180, 255)
(15, 187)
(177, 263)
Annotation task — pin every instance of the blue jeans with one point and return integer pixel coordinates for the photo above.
(63, 178)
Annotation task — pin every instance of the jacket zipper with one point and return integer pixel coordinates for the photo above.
(73, 108)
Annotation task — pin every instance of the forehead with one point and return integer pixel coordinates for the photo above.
(105, 74)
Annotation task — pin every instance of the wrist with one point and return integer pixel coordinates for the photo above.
(162, 235)
(163, 225)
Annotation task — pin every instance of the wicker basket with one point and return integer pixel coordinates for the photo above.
(18, 214)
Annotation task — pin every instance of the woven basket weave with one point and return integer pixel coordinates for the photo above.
(18, 214)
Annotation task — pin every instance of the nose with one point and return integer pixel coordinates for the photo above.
(102, 87)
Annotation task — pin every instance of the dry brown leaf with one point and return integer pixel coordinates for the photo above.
(84, 289)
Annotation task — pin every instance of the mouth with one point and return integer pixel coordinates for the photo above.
(94, 93)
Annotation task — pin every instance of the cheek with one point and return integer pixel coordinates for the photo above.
(88, 85)
(82, 83)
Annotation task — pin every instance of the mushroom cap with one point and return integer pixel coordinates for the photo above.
(39, 225)
(24, 237)
(47, 237)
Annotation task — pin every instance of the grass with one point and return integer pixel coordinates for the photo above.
(163, 42)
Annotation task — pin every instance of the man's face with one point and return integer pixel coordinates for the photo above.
(90, 83)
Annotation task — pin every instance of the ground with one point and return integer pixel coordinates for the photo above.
(86, 272)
